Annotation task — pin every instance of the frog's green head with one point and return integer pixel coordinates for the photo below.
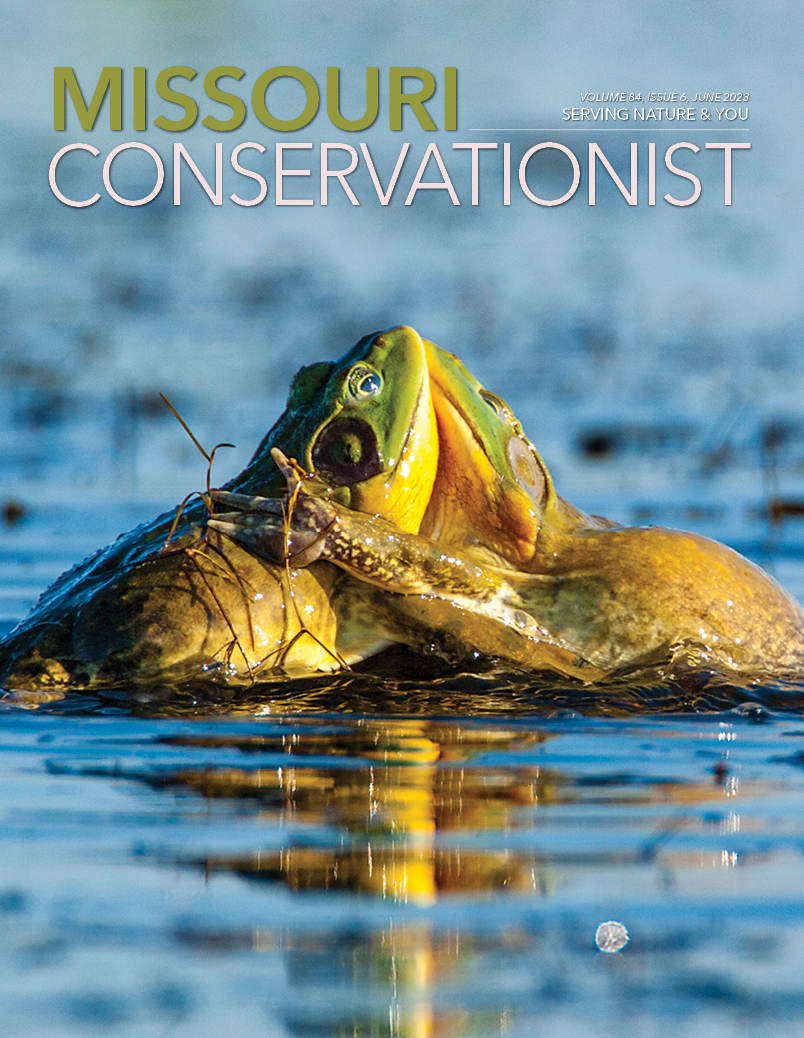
(365, 425)
(492, 488)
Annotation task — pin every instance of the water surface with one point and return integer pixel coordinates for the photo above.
(339, 873)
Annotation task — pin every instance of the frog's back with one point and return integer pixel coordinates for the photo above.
(624, 593)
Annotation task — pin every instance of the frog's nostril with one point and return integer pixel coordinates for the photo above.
(346, 452)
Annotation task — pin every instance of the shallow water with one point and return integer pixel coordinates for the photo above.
(335, 873)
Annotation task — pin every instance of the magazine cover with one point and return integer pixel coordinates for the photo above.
(370, 731)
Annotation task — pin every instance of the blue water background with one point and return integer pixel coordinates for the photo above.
(216, 875)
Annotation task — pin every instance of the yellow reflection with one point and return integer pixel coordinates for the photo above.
(397, 810)
(397, 805)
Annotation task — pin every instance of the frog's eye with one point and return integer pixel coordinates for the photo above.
(363, 383)
(527, 471)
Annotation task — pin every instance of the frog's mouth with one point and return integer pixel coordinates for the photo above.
(346, 452)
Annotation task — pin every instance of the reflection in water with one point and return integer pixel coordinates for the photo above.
(370, 809)
(393, 810)
(385, 797)
(331, 874)
(380, 982)
(409, 812)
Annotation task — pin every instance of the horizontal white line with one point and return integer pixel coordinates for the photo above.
(606, 129)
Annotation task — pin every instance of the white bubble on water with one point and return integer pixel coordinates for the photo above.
(611, 937)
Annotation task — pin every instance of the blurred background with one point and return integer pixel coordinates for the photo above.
(654, 355)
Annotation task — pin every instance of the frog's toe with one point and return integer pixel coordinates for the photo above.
(268, 537)
(246, 502)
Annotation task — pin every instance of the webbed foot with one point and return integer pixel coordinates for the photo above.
(292, 529)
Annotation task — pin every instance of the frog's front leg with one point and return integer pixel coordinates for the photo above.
(306, 528)
(427, 586)
(274, 529)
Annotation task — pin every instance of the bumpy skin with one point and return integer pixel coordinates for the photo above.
(624, 597)
(417, 593)
(504, 565)
(202, 608)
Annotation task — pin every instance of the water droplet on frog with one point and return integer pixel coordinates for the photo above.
(435, 648)
(751, 711)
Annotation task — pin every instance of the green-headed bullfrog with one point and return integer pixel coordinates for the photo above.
(502, 564)
(170, 608)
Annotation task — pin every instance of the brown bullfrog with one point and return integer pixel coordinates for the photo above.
(499, 549)
(171, 608)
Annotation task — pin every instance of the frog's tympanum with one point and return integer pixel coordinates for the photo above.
(156, 608)
(504, 565)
